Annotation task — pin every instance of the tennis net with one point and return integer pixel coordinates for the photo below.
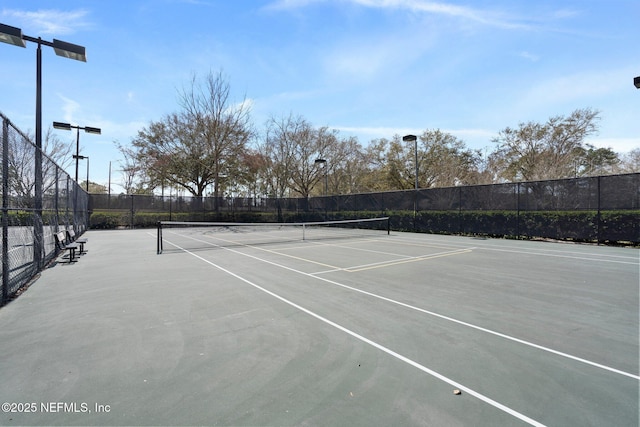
(188, 234)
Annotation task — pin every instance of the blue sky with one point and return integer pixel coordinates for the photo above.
(369, 68)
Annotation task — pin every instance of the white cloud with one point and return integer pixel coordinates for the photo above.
(47, 22)
(70, 108)
(486, 17)
(360, 61)
(529, 56)
(619, 145)
(290, 4)
(246, 104)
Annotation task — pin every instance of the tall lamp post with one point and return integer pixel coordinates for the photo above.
(14, 36)
(77, 157)
(87, 129)
(409, 138)
(324, 162)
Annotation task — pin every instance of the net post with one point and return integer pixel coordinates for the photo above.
(388, 225)
(303, 230)
(159, 243)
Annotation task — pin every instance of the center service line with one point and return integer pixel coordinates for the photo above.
(398, 356)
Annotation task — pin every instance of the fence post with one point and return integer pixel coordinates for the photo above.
(5, 211)
(67, 204)
(56, 196)
(518, 211)
(598, 217)
(460, 222)
(132, 212)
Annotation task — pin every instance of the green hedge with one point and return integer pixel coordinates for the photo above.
(112, 219)
(612, 226)
(25, 218)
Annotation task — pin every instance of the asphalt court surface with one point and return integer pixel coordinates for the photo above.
(366, 331)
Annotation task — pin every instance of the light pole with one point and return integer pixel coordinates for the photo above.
(77, 157)
(324, 162)
(14, 36)
(87, 129)
(409, 138)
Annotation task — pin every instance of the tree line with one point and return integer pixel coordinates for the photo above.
(211, 147)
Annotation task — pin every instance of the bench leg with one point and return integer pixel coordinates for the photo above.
(72, 255)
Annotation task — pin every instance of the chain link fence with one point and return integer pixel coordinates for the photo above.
(592, 209)
(36, 203)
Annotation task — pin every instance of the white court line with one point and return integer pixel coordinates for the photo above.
(431, 313)
(389, 263)
(550, 252)
(583, 258)
(387, 350)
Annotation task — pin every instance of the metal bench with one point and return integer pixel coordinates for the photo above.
(80, 240)
(61, 243)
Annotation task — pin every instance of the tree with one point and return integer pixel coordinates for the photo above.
(377, 168)
(630, 162)
(278, 147)
(349, 167)
(313, 144)
(536, 151)
(252, 168)
(132, 169)
(22, 168)
(400, 163)
(596, 161)
(199, 146)
(292, 145)
(445, 160)
(94, 188)
(442, 160)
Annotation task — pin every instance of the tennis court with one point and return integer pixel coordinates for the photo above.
(264, 327)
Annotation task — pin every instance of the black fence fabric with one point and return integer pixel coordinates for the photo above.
(601, 208)
(37, 202)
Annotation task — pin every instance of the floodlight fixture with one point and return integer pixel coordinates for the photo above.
(69, 126)
(95, 131)
(69, 50)
(636, 82)
(60, 125)
(11, 35)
